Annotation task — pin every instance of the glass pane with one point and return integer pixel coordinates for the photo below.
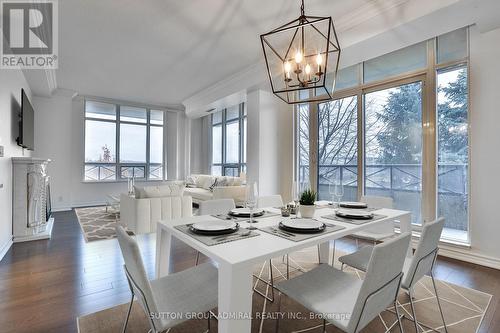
(132, 143)
(244, 140)
(156, 172)
(156, 117)
(156, 145)
(347, 78)
(233, 112)
(231, 171)
(232, 142)
(100, 172)
(337, 147)
(217, 144)
(398, 62)
(216, 170)
(303, 128)
(453, 152)
(136, 115)
(393, 146)
(100, 141)
(132, 171)
(217, 117)
(100, 110)
(452, 46)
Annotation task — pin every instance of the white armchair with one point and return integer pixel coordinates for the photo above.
(142, 215)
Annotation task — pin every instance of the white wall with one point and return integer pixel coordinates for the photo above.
(59, 136)
(485, 143)
(270, 143)
(11, 82)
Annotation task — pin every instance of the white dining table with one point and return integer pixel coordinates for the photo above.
(235, 260)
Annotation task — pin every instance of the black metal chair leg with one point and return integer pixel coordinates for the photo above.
(439, 303)
(128, 314)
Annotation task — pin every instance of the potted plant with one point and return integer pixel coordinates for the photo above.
(307, 207)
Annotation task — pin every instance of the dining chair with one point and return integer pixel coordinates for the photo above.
(190, 291)
(378, 233)
(214, 207)
(344, 300)
(270, 201)
(415, 268)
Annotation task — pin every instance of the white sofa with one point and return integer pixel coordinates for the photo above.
(208, 187)
(141, 213)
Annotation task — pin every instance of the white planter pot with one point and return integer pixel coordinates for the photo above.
(307, 211)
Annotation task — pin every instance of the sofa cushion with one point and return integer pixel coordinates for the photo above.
(229, 181)
(159, 191)
(199, 193)
(205, 181)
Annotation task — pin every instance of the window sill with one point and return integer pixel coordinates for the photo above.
(465, 244)
(122, 181)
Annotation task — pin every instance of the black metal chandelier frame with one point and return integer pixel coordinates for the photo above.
(299, 26)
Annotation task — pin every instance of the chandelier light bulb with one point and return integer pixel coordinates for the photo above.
(298, 57)
(308, 69)
(287, 66)
(319, 59)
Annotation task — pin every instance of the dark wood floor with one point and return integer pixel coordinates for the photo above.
(46, 285)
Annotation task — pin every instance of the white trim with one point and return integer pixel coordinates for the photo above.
(6, 248)
(467, 255)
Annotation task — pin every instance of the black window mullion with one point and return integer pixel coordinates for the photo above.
(148, 144)
(117, 133)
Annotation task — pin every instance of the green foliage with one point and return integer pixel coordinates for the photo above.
(308, 197)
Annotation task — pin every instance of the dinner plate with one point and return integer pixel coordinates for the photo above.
(302, 224)
(245, 212)
(214, 227)
(303, 227)
(354, 214)
(353, 204)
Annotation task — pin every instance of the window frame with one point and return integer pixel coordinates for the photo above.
(428, 76)
(242, 116)
(117, 164)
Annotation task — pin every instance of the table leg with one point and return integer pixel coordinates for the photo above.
(163, 247)
(235, 298)
(324, 252)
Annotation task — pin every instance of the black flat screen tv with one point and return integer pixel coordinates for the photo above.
(27, 124)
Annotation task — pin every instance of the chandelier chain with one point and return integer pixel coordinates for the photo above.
(302, 12)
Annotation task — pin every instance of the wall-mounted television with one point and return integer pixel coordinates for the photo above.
(26, 137)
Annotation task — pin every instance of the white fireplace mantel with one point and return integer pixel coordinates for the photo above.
(30, 184)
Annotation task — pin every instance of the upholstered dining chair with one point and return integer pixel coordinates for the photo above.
(345, 301)
(188, 291)
(214, 207)
(414, 269)
(269, 201)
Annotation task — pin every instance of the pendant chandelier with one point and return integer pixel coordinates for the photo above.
(302, 58)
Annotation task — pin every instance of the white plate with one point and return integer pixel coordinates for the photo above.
(354, 213)
(302, 224)
(246, 211)
(214, 225)
(353, 204)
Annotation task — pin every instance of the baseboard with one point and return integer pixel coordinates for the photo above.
(5, 248)
(467, 255)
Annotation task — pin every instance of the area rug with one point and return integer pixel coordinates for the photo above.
(464, 308)
(97, 223)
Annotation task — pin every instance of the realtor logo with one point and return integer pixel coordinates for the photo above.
(30, 34)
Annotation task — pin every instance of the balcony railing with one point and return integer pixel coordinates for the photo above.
(402, 182)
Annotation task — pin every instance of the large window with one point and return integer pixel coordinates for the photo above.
(123, 142)
(229, 136)
(397, 127)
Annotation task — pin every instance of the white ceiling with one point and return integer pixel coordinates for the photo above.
(162, 52)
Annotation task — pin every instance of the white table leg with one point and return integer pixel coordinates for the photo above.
(163, 247)
(235, 298)
(405, 226)
(324, 252)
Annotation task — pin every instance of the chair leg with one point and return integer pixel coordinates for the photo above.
(439, 303)
(397, 315)
(197, 258)
(319, 255)
(269, 283)
(128, 313)
(279, 314)
(324, 326)
(342, 267)
(413, 313)
(287, 268)
(333, 255)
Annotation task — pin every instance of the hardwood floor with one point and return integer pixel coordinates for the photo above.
(46, 285)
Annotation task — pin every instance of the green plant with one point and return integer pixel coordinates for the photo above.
(308, 197)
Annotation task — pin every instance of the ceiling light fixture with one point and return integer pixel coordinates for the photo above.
(302, 58)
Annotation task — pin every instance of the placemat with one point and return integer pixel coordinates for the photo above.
(274, 230)
(241, 219)
(353, 221)
(242, 233)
